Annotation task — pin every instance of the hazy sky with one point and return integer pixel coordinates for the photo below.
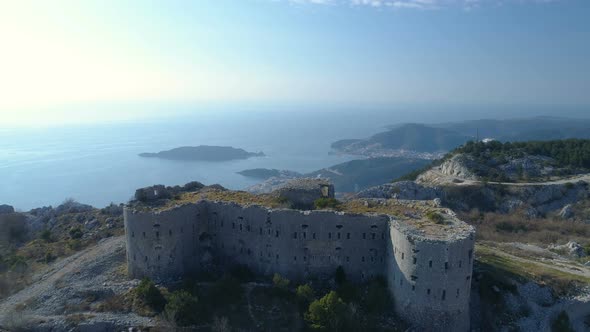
(64, 59)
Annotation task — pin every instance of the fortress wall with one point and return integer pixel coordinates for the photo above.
(431, 279)
(239, 234)
(299, 244)
(315, 243)
(162, 245)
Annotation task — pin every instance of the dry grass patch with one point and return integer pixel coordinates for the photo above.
(115, 303)
(238, 197)
(517, 228)
(560, 281)
(76, 319)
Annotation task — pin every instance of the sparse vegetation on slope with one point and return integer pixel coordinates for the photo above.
(570, 153)
(31, 241)
(561, 281)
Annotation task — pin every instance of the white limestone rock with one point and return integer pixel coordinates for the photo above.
(566, 212)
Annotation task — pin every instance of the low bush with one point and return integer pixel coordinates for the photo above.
(13, 228)
(562, 323)
(149, 294)
(325, 203)
(18, 264)
(305, 294)
(226, 291)
(340, 276)
(329, 313)
(45, 235)
(242, 273)
(182, 308)
(435, 217)
(74, 244)
(376, 298)
(76, 233)
(280, 282)
(514, 227)
(349, 292)
(49, 257)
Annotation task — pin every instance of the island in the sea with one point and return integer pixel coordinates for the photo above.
(203, 153)
(265, 173)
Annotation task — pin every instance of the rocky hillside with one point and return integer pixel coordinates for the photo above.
(430, 141)
(408, 137)
(523, 162)
(530, 273)
(29, 241)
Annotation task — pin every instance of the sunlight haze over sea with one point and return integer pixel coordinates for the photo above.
(98, 163)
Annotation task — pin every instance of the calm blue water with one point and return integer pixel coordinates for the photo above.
(99, 164)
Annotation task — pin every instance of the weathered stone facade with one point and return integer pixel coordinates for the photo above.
(429, 275)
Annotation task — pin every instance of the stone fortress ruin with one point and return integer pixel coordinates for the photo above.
(423, 251)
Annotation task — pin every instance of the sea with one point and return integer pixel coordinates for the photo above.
(98, 164)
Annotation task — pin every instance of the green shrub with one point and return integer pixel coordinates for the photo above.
(74, 244)
(147, 292)
(13, 228)
(562, 323)
(76, 233)
(242, 273)
(225, 292)
(435, 217)
(18, 264)
(349, 292)
(182, 308)
(325, 203)
(340, 276)
(305, 294)
(376, 299)
(280, 282)
(328, 313)
(511, 227)
(45, 235)
(49, 257)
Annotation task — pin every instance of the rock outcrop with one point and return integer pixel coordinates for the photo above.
(566, 212)
(268, 186)
(535, 200)
(4, 209)
(460, 166)
(408, 190)
(157, 192)
(572, 249)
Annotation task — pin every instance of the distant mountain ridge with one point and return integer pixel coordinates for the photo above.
(523, 129)
(413, 139)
